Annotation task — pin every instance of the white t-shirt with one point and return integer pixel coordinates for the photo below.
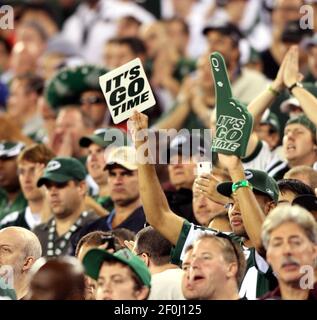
(167, 285)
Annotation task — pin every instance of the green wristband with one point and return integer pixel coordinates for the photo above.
(241, 184)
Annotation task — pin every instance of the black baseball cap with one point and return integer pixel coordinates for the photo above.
(190, 145)
(227, 29)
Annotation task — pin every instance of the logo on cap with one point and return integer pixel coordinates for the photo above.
(53, 165)
(269, 191)
(248, 175)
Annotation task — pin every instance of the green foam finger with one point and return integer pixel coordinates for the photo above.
(221, 79)
(234, 122)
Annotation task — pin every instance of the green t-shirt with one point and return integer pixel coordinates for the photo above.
(19, 204)
(259, 277)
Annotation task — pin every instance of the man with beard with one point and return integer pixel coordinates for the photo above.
(19, 249)
(64, 179)
(245, 207)
(123, 185)
(289, 235)
(11, 197)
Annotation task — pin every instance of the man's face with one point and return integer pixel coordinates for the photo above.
(11, 251)
(264, 132)
(64, 198)
(177, 33)
(181, 172)
(208, 271)
(19, 100)
(115, 282)
(111, 59)
(28, 180)
(224, 45)
(96, 163)
(298, 143)
(93, 105)
(125, 54)
(235, 217)
(190, 292)
(286, 10)
(205, 209)
(289, 249)
(8, 174)
(69, 123)
(123, 186)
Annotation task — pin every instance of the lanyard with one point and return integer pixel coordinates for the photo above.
(54, 249)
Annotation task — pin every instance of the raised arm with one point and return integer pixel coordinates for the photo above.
(157, 211)
(252, 214)
(291, 75)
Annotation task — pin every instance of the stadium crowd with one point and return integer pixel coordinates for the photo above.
(83, 218)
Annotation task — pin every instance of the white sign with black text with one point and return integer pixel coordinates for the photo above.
(126, 89)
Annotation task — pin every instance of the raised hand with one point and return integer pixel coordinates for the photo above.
(291, 72)
(206, 184)
(234, 122)
(138, 126)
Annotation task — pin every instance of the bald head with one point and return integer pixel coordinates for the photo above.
(19, 249)
(23, 240)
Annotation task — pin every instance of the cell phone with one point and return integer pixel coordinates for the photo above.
(110, 241)
(203, 167)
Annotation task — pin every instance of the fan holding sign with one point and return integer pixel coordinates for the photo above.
(234, 122)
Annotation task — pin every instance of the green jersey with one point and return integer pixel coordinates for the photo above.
(18, 204)
(258, 279)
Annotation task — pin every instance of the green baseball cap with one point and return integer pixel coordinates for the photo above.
(61, 170)
(69, 83)
(303, 120)
(103, 137)
(10, 149)
(259, 180)
(94, 259)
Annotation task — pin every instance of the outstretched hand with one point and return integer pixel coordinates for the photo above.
(234, 122)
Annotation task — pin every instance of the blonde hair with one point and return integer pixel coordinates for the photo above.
(287, 213)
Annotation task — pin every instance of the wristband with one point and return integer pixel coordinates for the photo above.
(273, 91)
(241, 184)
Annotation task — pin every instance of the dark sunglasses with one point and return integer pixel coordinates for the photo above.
(91, 100)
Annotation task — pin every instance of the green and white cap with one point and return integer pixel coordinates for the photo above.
(260, 182)
(104, 137)
(10, 149)
(94, 259)
(61, 170)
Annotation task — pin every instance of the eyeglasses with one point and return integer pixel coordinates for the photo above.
(91, 100)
